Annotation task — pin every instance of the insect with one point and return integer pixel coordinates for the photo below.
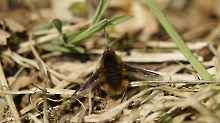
(114, 75)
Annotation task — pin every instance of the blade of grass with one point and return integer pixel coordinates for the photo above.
(179, 41)
(8, 98)
(86, 33)
(119, 19)
(96, 27)
(61, 48)
(99, 12)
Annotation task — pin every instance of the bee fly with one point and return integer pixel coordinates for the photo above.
(114, 75)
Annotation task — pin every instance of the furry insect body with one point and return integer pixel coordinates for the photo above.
(113, 77)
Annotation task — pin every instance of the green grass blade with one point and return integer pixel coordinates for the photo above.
(179, 41)
(54, 47)
(96, 27)
(87, 32)
(100, 10)
(119, 19)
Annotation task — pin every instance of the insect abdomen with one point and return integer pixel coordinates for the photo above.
(114, 80)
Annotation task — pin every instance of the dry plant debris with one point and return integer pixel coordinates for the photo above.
(37, 85)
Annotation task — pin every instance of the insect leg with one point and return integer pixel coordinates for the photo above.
(90, 80)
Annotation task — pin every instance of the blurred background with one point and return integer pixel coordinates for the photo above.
(193, 19)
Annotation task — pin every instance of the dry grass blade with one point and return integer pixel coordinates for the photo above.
(180, 118)
(50, 91)
(60, 76)
(31, 116)
(131, 117)
(154, 57)
(111, 112)
(27, 62)
(171, 44)
(9, 99)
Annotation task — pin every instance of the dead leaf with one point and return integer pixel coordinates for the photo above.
(14, 26)
(3, 37)
(7, 62)
(21, 82)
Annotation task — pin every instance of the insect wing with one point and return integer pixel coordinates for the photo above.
(135, 74)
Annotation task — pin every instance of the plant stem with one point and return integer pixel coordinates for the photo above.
(179, 41)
